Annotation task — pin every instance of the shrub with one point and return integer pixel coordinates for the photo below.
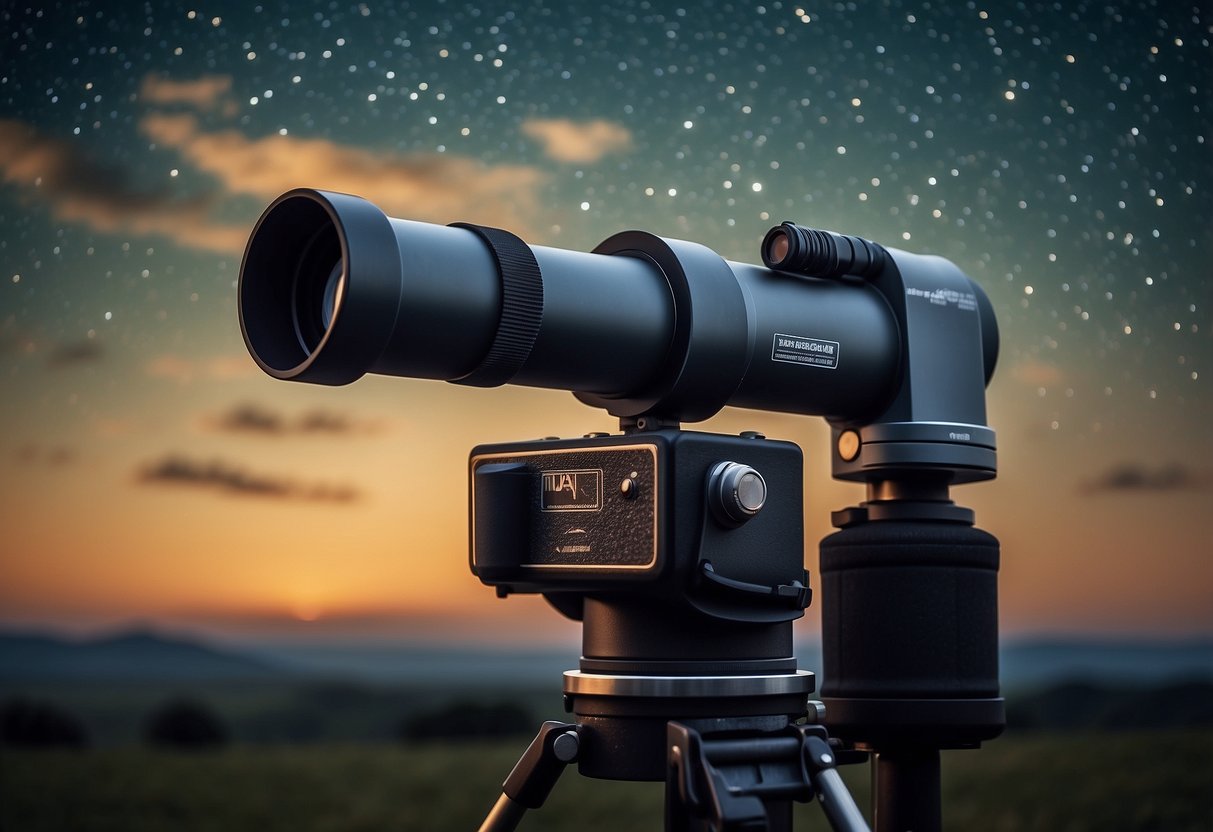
(185, 724)
(31, 724)
(469, 720)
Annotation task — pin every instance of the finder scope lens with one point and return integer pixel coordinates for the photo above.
(775, 247)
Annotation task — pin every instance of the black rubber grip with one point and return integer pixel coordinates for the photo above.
(521, 307)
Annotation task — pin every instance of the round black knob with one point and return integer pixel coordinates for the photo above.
(736, 493)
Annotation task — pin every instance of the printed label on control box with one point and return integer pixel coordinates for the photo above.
(579, 490)
(800, 349)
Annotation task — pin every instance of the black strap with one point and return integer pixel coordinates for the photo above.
(521, 307)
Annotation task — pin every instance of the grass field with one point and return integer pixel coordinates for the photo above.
(1154, 781)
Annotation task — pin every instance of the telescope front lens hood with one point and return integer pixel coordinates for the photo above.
(319, 287)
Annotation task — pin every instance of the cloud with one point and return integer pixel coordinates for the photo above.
(51, 456)
(208, 92)
(426, 186)
(74, 353)
(253, 419)
(578, 142)
(185, 370)
(438, 187)
(249, 418)
(78, 188)
(57, 355)
(1035, 373)
(233, 480)
(1136, 477)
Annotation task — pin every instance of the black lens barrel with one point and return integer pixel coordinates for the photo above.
(425, 301)
(286, 267)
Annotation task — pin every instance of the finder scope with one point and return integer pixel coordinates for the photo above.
(644, 326)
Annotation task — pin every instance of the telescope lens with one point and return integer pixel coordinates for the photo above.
(318, 288)
(333, 290)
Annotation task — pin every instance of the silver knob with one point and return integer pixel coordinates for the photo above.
(736, 493)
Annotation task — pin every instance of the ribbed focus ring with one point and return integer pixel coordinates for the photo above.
(521, 307)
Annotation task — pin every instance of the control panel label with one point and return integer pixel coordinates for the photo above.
(590, 508)
(800, 349)
(577, 490)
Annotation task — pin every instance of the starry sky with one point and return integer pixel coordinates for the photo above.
(1058, 153)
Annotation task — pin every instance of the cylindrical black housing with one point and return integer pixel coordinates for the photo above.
(922, 599)
(622, 634)
(910, 633)
(331, 288)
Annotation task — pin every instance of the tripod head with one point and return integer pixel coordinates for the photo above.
(682, 553)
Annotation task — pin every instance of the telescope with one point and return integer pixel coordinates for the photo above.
(682, 552)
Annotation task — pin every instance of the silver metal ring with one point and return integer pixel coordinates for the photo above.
(601, 684)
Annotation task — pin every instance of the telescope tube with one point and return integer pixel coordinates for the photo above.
(331, 288)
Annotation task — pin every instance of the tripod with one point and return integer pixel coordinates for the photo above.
(691, 680)
(736, 782)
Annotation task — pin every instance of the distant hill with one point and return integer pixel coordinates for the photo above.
(144, 655)
(1025, 665)
(425, 664)
(1083, 706)
(138, 655)
(1035, 663)
(363, 691)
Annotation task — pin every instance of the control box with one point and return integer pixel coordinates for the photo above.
(710, 520)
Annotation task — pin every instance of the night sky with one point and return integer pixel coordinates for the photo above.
(1058, 153)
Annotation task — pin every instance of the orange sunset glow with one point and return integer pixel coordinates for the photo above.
(367, 532)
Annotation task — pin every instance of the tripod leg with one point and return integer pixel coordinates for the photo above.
(832, 793)
(532, 779)
(505, 815)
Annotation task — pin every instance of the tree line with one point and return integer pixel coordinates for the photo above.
(188, 724)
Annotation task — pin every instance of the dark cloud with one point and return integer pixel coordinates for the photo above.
(81, 188)
(63, 170)
(249, 418)
(423, 186)
(323, 421)
(74, 353)
(254, 419)
(231, 479)
(51, 456)
(207, 92)
(1137, 477)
